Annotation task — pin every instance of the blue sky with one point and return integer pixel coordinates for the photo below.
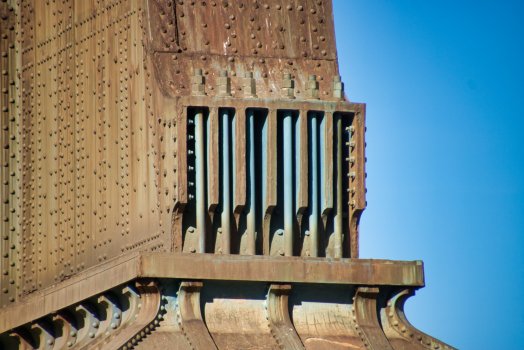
(443, 83)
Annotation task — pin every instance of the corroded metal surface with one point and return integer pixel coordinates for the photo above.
(279, 321)
(169, 313)
(368, 324)
(96, 96)
(209, 267)
(138, 135)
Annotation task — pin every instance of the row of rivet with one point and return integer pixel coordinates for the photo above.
(10, 142)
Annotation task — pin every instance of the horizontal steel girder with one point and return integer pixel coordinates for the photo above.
(211, 267)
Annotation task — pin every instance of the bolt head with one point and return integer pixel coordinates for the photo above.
(224, 90)
(287, 83)
(288, 93)
(338, 94)
(198, 79)
(312, 94)
(312, 84)
(198, 88)
(224, 81)
(337, 86)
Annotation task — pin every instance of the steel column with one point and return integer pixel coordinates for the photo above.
(250, 222)
(339, 214)
(313, 187)
(200, 179)
(226, 191)
(288, 183)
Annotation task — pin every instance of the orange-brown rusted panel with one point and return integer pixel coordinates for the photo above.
(162, 22)
(275, 29)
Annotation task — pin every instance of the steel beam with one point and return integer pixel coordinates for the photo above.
(251, 197)
(210, 267)
(313, 186)
(226, 190)
(200, 179)
(339, 212)
(288, 183)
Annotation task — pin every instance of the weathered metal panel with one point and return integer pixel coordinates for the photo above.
(367, 319)
(113, 142)
(281, 269)
(11, 142)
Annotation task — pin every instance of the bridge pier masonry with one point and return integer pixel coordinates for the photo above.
(185, 174)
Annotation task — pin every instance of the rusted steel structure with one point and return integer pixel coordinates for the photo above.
(186, 175)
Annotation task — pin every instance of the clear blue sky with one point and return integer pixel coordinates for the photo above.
(443, 83)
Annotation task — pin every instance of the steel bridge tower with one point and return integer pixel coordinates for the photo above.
(182, 174)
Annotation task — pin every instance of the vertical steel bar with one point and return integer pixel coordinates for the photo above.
(226, 191)
(288, 183)
(200, 179)
(313, 216)
(250, 219)
(339, 213)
